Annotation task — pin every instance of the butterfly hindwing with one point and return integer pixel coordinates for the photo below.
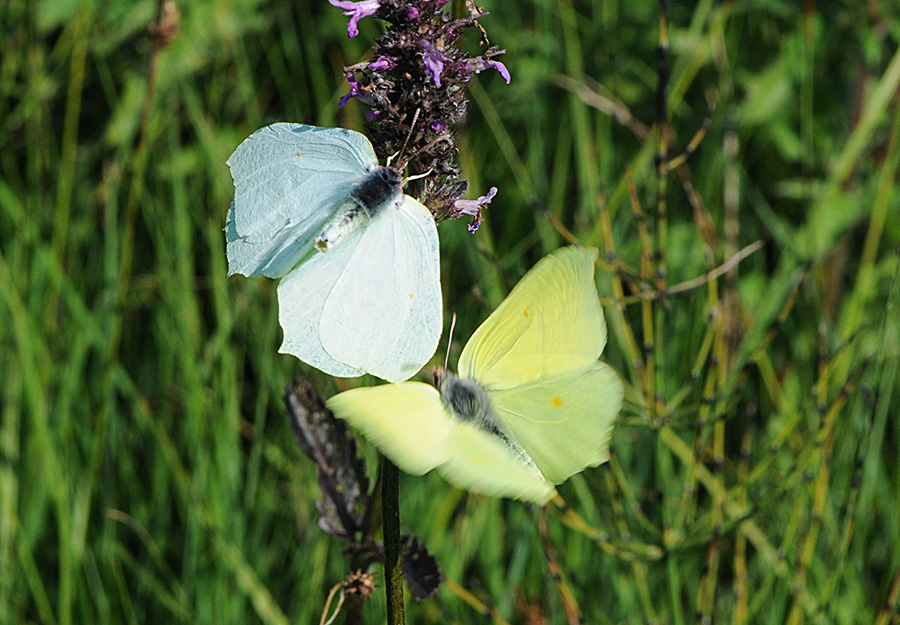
(384, 311)
(564, 422)
(483, 463)
(302, 295)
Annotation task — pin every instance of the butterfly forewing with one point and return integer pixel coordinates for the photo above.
(405, 421)
(551, 323)
(289, 181)
(410, 425)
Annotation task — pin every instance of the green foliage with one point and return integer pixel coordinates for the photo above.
(146, 470)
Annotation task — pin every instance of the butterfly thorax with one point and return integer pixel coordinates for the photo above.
(380, 189)
(467, 401)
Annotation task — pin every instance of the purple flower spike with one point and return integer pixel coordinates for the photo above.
(473, 208)
(420, 66)
(434, 61)
(356, 10)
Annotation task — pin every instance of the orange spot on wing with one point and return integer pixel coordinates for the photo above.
(556, 401)
(411, 295)
(299, 155)
(525, 312)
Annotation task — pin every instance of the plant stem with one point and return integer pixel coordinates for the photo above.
(393, 568)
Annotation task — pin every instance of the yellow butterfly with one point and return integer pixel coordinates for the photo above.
(532, 405)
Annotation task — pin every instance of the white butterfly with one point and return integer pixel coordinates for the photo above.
(368, 298)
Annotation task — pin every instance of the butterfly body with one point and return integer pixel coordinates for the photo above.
(372, 303)
(379, 191)
(466, 401)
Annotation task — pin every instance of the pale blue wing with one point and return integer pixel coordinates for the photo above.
(289, 180)
(273, 257)
(302, 294)
(564, 422)
(384, 313)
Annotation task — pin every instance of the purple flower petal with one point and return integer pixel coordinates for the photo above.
(356, 10)
(473, 208)
(438, 124)
(480, 63)
(500, 67)
(354, 89)
(412, 13)
(382, 63)
(434, 61)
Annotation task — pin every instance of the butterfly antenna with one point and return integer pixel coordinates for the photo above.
(417, 176)
(444, 137)
(412, 128)
(450, 340)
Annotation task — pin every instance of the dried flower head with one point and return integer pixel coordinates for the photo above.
(414, 87)
(359, 582)
(346, 508)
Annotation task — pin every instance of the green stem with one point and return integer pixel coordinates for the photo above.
(393, 568)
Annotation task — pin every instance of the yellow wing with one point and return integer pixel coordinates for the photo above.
(564, 422)
(405, 421)
(551, 323)
(408, 423)
(483, 463)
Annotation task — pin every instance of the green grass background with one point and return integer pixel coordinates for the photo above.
(147, 474)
